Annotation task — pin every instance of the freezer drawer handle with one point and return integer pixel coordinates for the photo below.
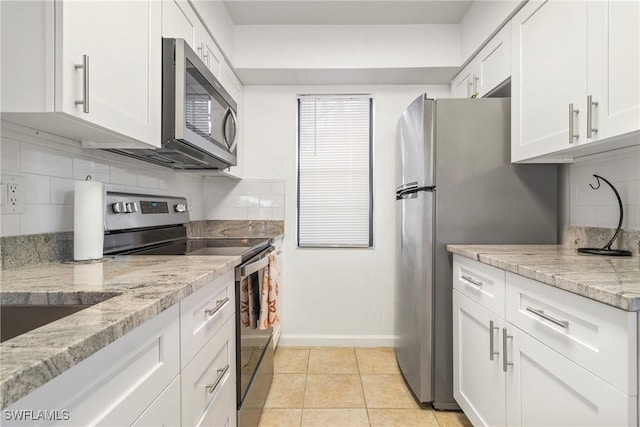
(219, 305)
(221, 373)
(473, 282)
(541, 313)
(491, 345)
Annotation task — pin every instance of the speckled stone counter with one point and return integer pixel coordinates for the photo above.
(127, 291)
(610, 280)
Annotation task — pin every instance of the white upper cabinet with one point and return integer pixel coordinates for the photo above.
(564, 54)
(614, 67)
(94, 70)
(179, 21)
(488, 70)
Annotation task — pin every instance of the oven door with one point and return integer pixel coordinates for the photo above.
(253, 345)
(196, 108)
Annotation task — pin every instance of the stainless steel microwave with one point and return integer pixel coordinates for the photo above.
(199, 122)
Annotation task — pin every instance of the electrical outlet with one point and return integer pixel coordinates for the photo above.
(13, 197)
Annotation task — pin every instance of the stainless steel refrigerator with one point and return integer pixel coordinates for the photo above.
(456, 184)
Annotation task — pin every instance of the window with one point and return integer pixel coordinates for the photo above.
(335, 194)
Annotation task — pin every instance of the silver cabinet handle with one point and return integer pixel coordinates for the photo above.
(541, 313)
(590, 105)
(85, 83)
(572, 134)
(505, 362)
(219, 304)
(491, 349)
(221, 373)
(475, 85)
(473, 282)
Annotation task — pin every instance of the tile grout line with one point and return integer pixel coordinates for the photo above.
(366, 406)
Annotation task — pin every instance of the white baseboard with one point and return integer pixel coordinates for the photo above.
(295, 340)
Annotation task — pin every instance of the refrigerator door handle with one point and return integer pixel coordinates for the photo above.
(406, 187)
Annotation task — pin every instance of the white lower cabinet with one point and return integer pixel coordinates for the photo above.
(165, 410)
(553, 359)
(137, 380)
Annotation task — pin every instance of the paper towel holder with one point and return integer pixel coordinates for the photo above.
(606, 249)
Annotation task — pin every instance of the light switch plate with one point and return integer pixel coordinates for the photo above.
(13, 194)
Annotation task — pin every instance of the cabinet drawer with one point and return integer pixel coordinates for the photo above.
(203, 313)
(222, 410)
(600, 338)
(482, 283)
(115, 385)
(214, 365)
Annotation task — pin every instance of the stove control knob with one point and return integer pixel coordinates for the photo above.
(133, 207)
(117, 207)
(181, 207)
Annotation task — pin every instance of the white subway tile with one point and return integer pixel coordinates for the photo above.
(227, 213)
(38, 160)
(38, 189)
(147, 179)
(115, 188)
(46, 219)
(587, 196)
(245, 201)
(259, 213)
(120, 175)
(584, 216)
(214, 200)
(10, 155)
(271, 201)
(253, 187)
(277, 214)
(10, 225)
(84, 167)
(277, 187)
(608, 217)
(618, 170)
(219, 185)
(62, 191)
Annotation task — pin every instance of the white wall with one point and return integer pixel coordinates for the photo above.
(331, 296)
(346, 46)
(50, 166)
(599, 208)
(225, 198)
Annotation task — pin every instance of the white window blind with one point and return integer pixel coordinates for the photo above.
(334, 171)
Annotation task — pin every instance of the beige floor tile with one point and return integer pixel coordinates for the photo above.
(287, 391)
(291, 360)
(452, 419)
(280, 417)
(402, 417)
(334, 418)
(332, 360)
(380, 360)
(387, 391)
(333, 391)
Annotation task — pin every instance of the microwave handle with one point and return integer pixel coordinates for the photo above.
(229, 113)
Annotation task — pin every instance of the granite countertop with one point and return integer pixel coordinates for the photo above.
(128, 291)
(610, 280)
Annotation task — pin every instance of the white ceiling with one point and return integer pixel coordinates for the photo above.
(338, 12)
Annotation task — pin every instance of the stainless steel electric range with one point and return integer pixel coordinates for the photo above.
(139, 224)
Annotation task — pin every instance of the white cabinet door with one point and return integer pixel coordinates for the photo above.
(494, 62)
(547, 389)
(549, 73)
(478, 378)
(179, 21)
(462, 84)
(211, 55)
(614, 67)
(165, 410)
(122, 83)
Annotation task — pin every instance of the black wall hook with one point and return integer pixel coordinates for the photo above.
(606, 249)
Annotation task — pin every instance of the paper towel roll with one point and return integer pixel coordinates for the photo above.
(88, 228)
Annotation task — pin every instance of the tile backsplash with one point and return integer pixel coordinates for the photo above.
(51, 164)
(599, 208)
(227, 199)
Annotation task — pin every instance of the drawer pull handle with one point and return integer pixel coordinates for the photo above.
(219, 305)
(491, 345)
(541, 313)
(505, 361)
(221, 373)
(473, 282)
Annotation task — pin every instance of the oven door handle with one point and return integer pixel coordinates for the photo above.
(249, 269)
